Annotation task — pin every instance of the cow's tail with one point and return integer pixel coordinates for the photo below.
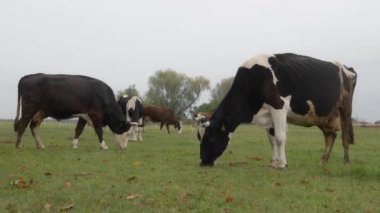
(349, 77)
(15, 125)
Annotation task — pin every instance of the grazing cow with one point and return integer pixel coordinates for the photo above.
(132, 108)
(271, 90)
(200, 118)
(163, 115)
(67, 96)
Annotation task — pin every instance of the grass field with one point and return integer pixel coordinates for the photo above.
(162, 174)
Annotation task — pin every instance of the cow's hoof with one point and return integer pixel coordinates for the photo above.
(41, 147)
(103, 146)
(280, 165)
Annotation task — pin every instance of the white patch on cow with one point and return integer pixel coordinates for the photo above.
(201, 130)
(37, 137)
(103, 145)
(199, 116)
(263, 117)
(206, 124)
(347, 72)
(74, 144)
(84, 117)
(262, 60)
(280, 125)
(268, 117)
(121, 140)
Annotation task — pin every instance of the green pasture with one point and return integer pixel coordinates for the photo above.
(162, 173)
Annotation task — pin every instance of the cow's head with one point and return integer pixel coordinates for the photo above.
(178, 126)
(213, 144)
(201, 122)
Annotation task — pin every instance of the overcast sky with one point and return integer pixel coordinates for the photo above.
(125, 42)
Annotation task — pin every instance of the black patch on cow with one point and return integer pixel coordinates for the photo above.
(306, 78)
(271, 131)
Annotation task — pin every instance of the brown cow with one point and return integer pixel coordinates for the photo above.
(163, 115)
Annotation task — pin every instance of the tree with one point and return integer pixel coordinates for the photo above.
(130, 91)
(221, 89)
(217, 95)
(174, 90)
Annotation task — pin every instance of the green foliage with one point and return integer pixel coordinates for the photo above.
(130, 91)
(174, 90)
(162, 174)
(221, 89)
(207, 107)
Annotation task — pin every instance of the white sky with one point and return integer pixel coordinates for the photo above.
(125, 42)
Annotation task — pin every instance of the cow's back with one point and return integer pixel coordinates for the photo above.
(61, 96)
(308, 81)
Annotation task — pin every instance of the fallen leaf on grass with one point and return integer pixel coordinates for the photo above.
(304, 182)
(21, 183)
(370, 211)
(232, 164)
(68, 185)
(136, 163)
(133, 196)
(277, 184)
(83, 174)
(48, 174)
(229, 199)
(7, 141)
(330, 190)
(67, 208)
(132, 178)
(227, 210)
(48, 206)
(257, 158)
(186, 196)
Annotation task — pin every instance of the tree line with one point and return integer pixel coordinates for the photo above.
(179, 92)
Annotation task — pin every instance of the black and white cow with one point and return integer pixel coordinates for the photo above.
(271, 90)
(132, 108)
(67, 96)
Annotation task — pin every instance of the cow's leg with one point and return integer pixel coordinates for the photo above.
(140, 129)
(167, 127)
(329, 143)
(97, 122)
(78, 131)
(22, 124)
(139, 133)
(134, 129)
(35, 129)
(272, 141)
(345, 124)
(279, 124)
(161, 125)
